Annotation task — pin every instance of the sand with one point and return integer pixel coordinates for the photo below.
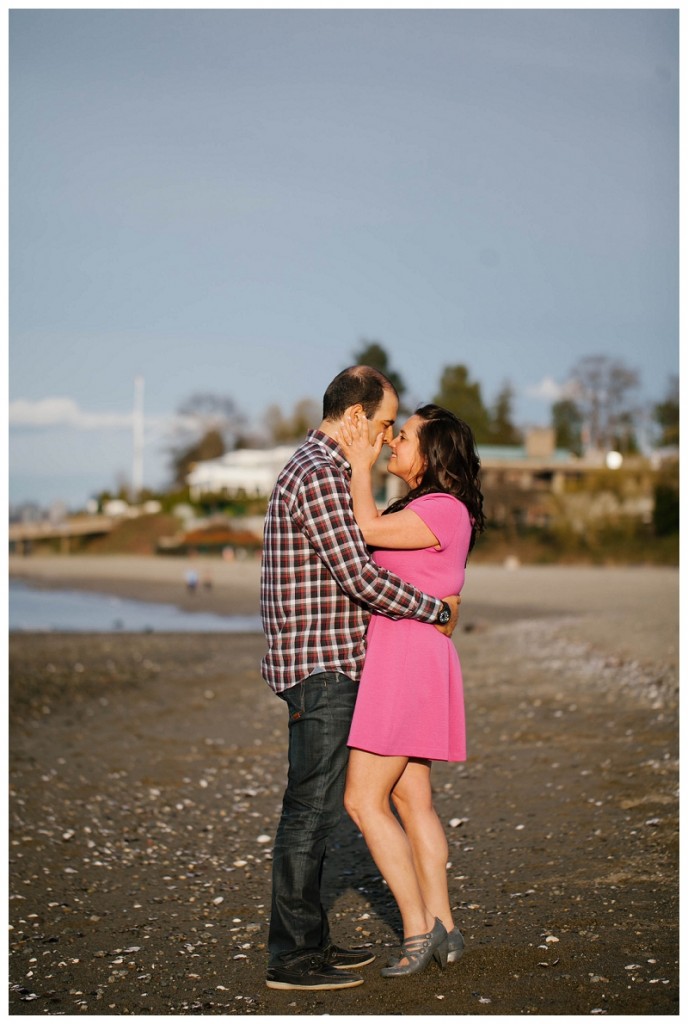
(147, 773)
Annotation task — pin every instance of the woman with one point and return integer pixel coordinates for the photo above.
(409, 709)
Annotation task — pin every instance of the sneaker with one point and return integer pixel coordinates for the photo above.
(310, 973)
(347, 959)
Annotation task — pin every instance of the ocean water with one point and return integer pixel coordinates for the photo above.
(70, 611)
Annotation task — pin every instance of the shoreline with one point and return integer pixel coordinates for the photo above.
(234, 586)
(630, 612)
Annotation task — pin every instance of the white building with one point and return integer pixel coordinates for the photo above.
(250, 472)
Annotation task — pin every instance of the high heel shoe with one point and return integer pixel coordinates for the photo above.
(454, 945)
(418, 951)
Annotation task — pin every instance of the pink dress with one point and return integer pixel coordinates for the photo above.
(410, 698)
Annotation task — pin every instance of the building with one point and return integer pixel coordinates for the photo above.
(532, 485)
(246, 472)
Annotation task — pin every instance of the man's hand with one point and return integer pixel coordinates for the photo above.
(454, 600)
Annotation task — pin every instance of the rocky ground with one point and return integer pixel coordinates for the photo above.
(146, 779)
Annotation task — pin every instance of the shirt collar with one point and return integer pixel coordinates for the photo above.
(333, 449)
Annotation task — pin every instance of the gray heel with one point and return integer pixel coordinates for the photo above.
(441, 954)
(418, 951)
(454, 946)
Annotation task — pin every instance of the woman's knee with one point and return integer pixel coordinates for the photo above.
(362, 805)
(352, 804)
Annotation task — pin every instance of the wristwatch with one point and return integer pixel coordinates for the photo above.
(444, 616)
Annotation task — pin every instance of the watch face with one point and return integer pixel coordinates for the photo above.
(444, 617)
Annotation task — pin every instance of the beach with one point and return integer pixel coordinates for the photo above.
(146, 779)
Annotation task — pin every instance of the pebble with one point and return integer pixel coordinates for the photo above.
(153, 825)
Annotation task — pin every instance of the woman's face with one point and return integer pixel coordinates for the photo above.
(406, 460)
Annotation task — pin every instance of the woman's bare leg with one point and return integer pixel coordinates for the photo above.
(370, 780)
(412, 796)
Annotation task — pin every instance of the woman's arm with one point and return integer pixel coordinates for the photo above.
(398, 530)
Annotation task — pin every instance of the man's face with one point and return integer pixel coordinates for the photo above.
(383, 418)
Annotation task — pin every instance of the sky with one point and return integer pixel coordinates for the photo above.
(230, 201)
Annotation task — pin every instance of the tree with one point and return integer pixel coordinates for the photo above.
(207, 425)
(567, 421)
(373, 354)
(601, 387)
(210, 446)
(283, 429)
(666, 414)
(502, 428)
(464, 398)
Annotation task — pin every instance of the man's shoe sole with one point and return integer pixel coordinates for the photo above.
(353, 967)
(323, 986)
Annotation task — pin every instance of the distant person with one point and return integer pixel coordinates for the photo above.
(409, 710)
(318, 583)
(191, 577)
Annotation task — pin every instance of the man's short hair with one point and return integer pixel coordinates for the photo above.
(356, 384)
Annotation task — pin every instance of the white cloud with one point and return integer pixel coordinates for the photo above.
(53, 412)
(547, 389)
(64, 412)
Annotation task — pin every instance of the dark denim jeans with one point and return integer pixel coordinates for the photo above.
(320, 711)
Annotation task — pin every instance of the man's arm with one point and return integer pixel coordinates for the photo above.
(323, 514)
(454, 600)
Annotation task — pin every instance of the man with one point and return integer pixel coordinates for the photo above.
(318, 584)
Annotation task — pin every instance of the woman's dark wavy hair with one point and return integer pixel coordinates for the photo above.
(452, 465)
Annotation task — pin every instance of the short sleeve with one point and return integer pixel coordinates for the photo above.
(444, 514)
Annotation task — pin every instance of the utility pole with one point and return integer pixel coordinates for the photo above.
(137, 421)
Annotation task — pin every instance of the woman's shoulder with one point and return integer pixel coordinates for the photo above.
(440, 502)
(438, 498)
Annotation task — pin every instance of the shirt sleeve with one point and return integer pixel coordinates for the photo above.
(442, 513)
(322, 511)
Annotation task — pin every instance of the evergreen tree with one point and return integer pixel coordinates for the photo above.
(464, 398)
(373, 354)
(502, 428)
(567, 421)
(666, 414)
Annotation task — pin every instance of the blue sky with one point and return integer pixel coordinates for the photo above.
(229, 201)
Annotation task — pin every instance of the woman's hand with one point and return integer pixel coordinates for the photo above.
(353, 438)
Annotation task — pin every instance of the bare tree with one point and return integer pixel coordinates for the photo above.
(206, 426)
(601, 388)
(284, 429)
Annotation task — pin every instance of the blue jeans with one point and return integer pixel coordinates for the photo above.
(320, 711)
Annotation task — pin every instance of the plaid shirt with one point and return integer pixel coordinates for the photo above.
(318, 580)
